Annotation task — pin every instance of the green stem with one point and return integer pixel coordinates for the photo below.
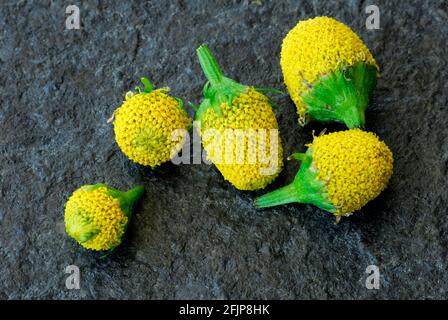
(209, 65)
(134, 194)
(219, 89)
(129, 198)
(287, 194)
(306, 188)
(147, 85)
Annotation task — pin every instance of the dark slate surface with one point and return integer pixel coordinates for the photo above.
(193, 235)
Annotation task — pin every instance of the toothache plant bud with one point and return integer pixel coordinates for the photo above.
(340, 173)
(244, 143)
(145, 122)
(97, 216)
(329, 72)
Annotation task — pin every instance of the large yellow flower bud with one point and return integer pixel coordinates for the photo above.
(239, 129)
(146, 123)
(340, 173)
(329, 72)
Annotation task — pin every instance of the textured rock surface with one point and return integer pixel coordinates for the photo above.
(193, 235)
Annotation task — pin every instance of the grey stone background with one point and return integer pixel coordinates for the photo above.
(193, 235)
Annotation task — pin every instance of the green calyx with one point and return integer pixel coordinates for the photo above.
(80, 226)
(305, 188)
(127, 199)
(218, 89)
(343, 95)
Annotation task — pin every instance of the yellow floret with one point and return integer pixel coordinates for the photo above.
(249, 112)
(143, 126)
(100, 213)
(317, 47)
(356, 166)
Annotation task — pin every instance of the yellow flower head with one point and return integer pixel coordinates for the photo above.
(244, 130)
(316, 48)
(340, 173)
(238, 129)
(146, 124)
(96, 216)
(355, 165)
